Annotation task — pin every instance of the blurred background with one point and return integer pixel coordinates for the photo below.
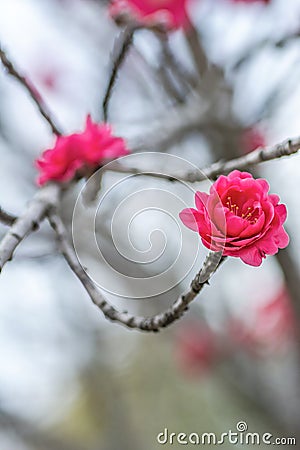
(71, 380)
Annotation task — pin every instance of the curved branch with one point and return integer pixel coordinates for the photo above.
(150, 324)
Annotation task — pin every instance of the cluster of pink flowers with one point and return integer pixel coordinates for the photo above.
(76, 152)
(239, 218)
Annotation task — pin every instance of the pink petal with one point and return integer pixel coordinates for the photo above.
(238, 174)
(274, 198)
(282, 239)
(281, 211)
(201, 200)
(235, 224)
(188, 217)
(252, 256)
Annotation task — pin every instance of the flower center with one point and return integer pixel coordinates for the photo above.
(250, 214)
(233, 207)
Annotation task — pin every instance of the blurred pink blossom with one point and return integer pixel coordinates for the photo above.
(91, 148)
(169, 13)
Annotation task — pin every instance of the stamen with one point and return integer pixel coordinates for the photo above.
(233, 207)
(248, 215)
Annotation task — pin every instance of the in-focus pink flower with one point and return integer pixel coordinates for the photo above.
(169, 13)
(91, 148)
(239, 217)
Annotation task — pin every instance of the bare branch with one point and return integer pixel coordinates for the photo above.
(185, 79)
(29, 221)
(150, 324)
(280, 43)
(33, 92)
(120, 50)
(169, 129)
(6, 218)
(169, 86)
(198, 53)
(262, 154)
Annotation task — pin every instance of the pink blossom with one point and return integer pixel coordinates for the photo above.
(171, 13)
(272, 326)
(252, 138)
(99, 144)
(196, 348)
(239, 218)
(275, 320)
(76, 152)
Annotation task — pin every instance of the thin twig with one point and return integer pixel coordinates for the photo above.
(262, 154)
(29, 221)
(33, 92)
(184, 78)
(120, 50)
(150, 324)
(170, 128)
(6, 218)
(168, 84)
(196, 49)
(280, 43)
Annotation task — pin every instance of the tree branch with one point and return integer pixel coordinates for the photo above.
(150, 324)
(262, 154)
(193, 115)
(29, 221)
(33, 92)
(120, 50)
(280, 43)
(183, 77)
(197, 51)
